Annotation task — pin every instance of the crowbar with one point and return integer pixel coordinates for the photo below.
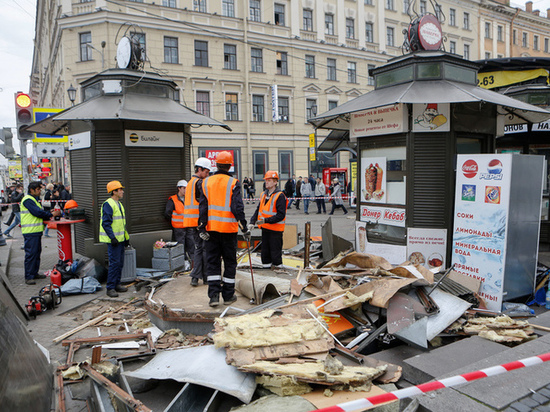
(253, 300)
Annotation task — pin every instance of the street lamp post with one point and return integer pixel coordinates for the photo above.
(71, 91)
(99, 51)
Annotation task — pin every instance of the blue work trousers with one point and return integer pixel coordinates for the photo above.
(116, 262)
(33, 249)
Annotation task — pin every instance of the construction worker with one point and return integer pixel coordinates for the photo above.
(221, 213)
(191, 219)
(112, 230)
(270, 216)
(32, 226)
(174, 211)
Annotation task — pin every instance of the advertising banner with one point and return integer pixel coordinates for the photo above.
(211, 155)
(378, 121)
(14, 169)
(80, 141)
(149, 138)
(427, 247)
(480, 221)
(431, 117)
(373, 171)
(384, 215)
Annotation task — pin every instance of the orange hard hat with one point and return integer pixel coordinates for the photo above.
(224, 158)
(271, 174)
(114, 185)
(71, 204)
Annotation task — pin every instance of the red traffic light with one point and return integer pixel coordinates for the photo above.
(23, 100)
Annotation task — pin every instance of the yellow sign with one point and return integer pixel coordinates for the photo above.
(46, 164)
(490, 80)
(353, 175)
(41, 113)
(312, 147)
(14, 169)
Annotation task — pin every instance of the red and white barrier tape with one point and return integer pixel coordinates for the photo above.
(345, 197)
(40, 201)
(432, 386)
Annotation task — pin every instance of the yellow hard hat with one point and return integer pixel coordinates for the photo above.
(114, 185)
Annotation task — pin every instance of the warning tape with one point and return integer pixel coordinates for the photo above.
(40, 201)
(344, 197)
(432, 386)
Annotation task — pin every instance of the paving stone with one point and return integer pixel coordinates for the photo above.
(530, 402)
(521, 407)
(540, 398)
(510, 409)
(542, 408)
(545, 392)
(449, 400)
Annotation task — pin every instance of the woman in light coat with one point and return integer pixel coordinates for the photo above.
(336, 195)
(320, 193)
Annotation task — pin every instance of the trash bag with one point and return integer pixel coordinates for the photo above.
(65, 268)
(91, 267)
(79, 286)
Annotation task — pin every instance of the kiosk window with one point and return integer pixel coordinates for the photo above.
(391, 162)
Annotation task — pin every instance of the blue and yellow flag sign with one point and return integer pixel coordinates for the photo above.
(41, 113)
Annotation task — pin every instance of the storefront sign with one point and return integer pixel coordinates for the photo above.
(149, 138)
(427, 247)
(312, 147)
(211, 155)
(515, 128)
(392, 253)
(385, 215)
(431, 117)
(541, 127)
(80, 141)
(379, 121)
(373, 174)
(274, 103)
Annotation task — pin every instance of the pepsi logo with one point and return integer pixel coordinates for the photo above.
(494, 167)
(470, 168)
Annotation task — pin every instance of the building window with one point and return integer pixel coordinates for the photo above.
(282, 63)
(370, 80)
(422, 6)
(331, 69)
(201, 53)
(85, 51)
(332, 104)
(230, 56)
(228, 8)
(231, 106)
(350, 28)
(369, 32)
(500, 35)
(466, 52)
(255, 14)
(535, 42)
(279, 14)
(308, 20)
(487, 30)
(284, 111)
(389, 5)
(352, 72)
(285, 165)
(389, 36)
(140, 37)
(439, 12)
(171, 50)
(329, 24)
(515, 37)
(546, 45)
(452, 47)
(467, 21)
(524, 39)
(368, 2)
(311, 108)
(257, 60)
(452, 17)
(258, 108)
(487, 55)
(310, 67)
(203, 103)
(199, 5)
(406, 5)
(169, 3)
(260, 165)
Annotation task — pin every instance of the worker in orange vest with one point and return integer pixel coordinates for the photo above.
(191, 219)
(221, 213)
(174, 212)
(270, 216)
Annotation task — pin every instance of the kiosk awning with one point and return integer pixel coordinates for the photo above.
(431, 91)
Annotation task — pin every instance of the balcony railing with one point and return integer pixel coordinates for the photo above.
(81, 7)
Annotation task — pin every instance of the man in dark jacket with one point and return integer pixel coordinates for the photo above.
(16, 198)
(290, 188)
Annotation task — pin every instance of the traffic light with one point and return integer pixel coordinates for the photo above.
(23, 115)
(6, 149)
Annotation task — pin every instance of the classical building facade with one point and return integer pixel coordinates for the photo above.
(261, 67)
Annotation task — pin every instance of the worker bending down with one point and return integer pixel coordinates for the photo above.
(270, 216)
(221, 212)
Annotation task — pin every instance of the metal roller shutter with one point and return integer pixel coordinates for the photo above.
(83, 193)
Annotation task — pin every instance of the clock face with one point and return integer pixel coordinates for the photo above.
(123, 53)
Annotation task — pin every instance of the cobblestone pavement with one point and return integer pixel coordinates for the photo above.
(538, 401)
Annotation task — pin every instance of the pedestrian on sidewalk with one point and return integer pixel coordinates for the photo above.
(290, 189)
(336, 196)
(221, 213)
(320, 193)
(270, 216)
(191, 221)
(32, 226)
(47, 204)
(307, 193)
(16, 198)
(298, 192)
(112, 230)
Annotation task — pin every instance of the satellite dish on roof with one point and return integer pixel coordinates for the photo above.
(124, 53)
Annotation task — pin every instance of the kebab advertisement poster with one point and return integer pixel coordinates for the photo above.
(373, 173)
(427, 247)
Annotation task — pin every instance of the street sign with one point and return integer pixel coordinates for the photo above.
(50, 150)
(41, 113)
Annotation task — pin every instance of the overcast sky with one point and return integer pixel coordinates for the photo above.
(16, 47)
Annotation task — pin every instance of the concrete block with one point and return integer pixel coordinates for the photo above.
(168, 264)
(449, 400)
(169, 252)
(397, 355)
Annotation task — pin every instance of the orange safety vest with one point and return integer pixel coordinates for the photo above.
(191, 218)
(218, 190)
(269, 209)
(177, 213)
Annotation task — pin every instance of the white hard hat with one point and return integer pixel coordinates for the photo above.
(204, 163)
(182, 183)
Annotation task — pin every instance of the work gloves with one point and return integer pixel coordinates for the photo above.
(250, 227)
(114, 242)
(204, 236)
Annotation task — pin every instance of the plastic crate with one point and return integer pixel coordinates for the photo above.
(129, 268)
(169, 252)
(169, 264)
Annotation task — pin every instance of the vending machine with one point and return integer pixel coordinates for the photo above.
(497, 222)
